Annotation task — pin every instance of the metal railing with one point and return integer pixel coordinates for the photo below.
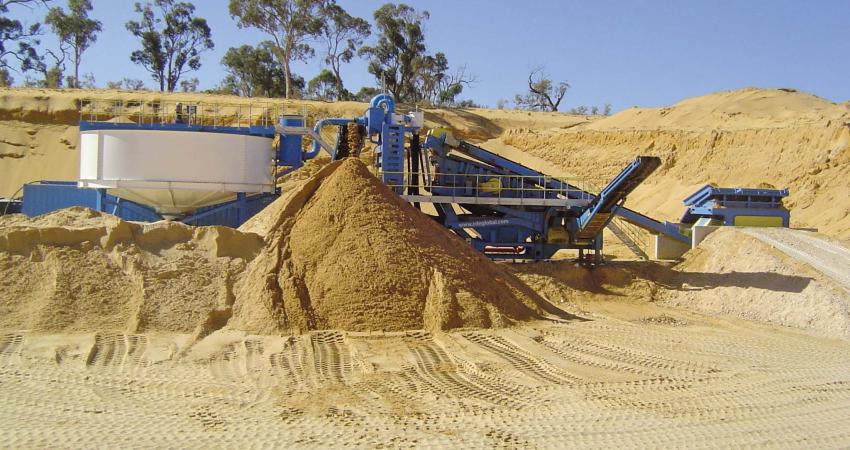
(163, 112)
(632, 236)
(494, 186)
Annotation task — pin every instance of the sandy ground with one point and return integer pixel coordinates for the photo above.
(825, 255)
(745, 343)
(630, 376)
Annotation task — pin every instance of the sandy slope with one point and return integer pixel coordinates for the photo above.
(748, 138)
(634, 368)
(644, 377)
(788, 277)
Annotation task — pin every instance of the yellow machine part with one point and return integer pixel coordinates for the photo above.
(491, 186)
(758, 221)
(440, 132)
(437, 132)
(557, 235)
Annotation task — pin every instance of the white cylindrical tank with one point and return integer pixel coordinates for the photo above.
(175, 171)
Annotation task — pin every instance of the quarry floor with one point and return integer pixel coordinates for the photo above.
(630, 375)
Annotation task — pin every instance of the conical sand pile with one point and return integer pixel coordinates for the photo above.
(346, 252)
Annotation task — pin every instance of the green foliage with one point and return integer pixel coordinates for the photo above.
(343, 34)
(325, 87)
(366, 93)
(190, 85)
(400, 46)
(74, 30)
(88, 81)
(254, 72)
(128, 84)
(6, 79)
(172, 40)
(400, 63)
(17, 41)
(292, 25)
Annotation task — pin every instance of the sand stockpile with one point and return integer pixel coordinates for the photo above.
(748, 273)
(80, 270)
(346, 252)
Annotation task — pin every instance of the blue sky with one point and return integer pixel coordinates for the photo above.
(627, 53)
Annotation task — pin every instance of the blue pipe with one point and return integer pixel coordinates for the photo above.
(317, 129)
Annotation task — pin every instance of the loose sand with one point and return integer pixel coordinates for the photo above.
(744, 138)
(633, 376)
(764, 275)
(40, 134)
(341, 316)
(346, 252)
(80, 270)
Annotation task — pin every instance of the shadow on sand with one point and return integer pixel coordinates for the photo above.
(665, 276)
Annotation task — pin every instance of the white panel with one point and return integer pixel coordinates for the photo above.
(88, 155)
(190, 168)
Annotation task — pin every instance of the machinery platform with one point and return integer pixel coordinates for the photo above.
(507, 201)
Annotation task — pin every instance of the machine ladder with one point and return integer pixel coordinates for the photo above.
(630, 236)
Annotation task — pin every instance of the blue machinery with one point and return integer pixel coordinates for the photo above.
(503, 209)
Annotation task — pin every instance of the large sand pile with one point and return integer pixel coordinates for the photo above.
(80, 270)
(341, 251)
(346, 252)
(749, 138)
(735, 273)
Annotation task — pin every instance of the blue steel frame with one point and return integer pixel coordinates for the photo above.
(725, 204)
(47, 196)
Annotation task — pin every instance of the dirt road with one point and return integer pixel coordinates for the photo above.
(825, 255)
(649, 378)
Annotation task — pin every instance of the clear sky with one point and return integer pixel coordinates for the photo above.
(627, 53)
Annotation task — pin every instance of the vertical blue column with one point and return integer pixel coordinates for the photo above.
(289, 149)
(241, 209)
(392, 156)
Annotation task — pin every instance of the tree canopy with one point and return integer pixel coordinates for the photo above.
(18, 42)
(400, 62)
(254, 71)
(75, 31)
(292, 25)
(343, 35)
(543, 94)
(172, 39)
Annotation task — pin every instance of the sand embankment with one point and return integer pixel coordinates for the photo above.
(40, 137)
(744, 138)
(787, 277)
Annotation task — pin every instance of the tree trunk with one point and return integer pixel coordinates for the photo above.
(339, 88)
(287, 75)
